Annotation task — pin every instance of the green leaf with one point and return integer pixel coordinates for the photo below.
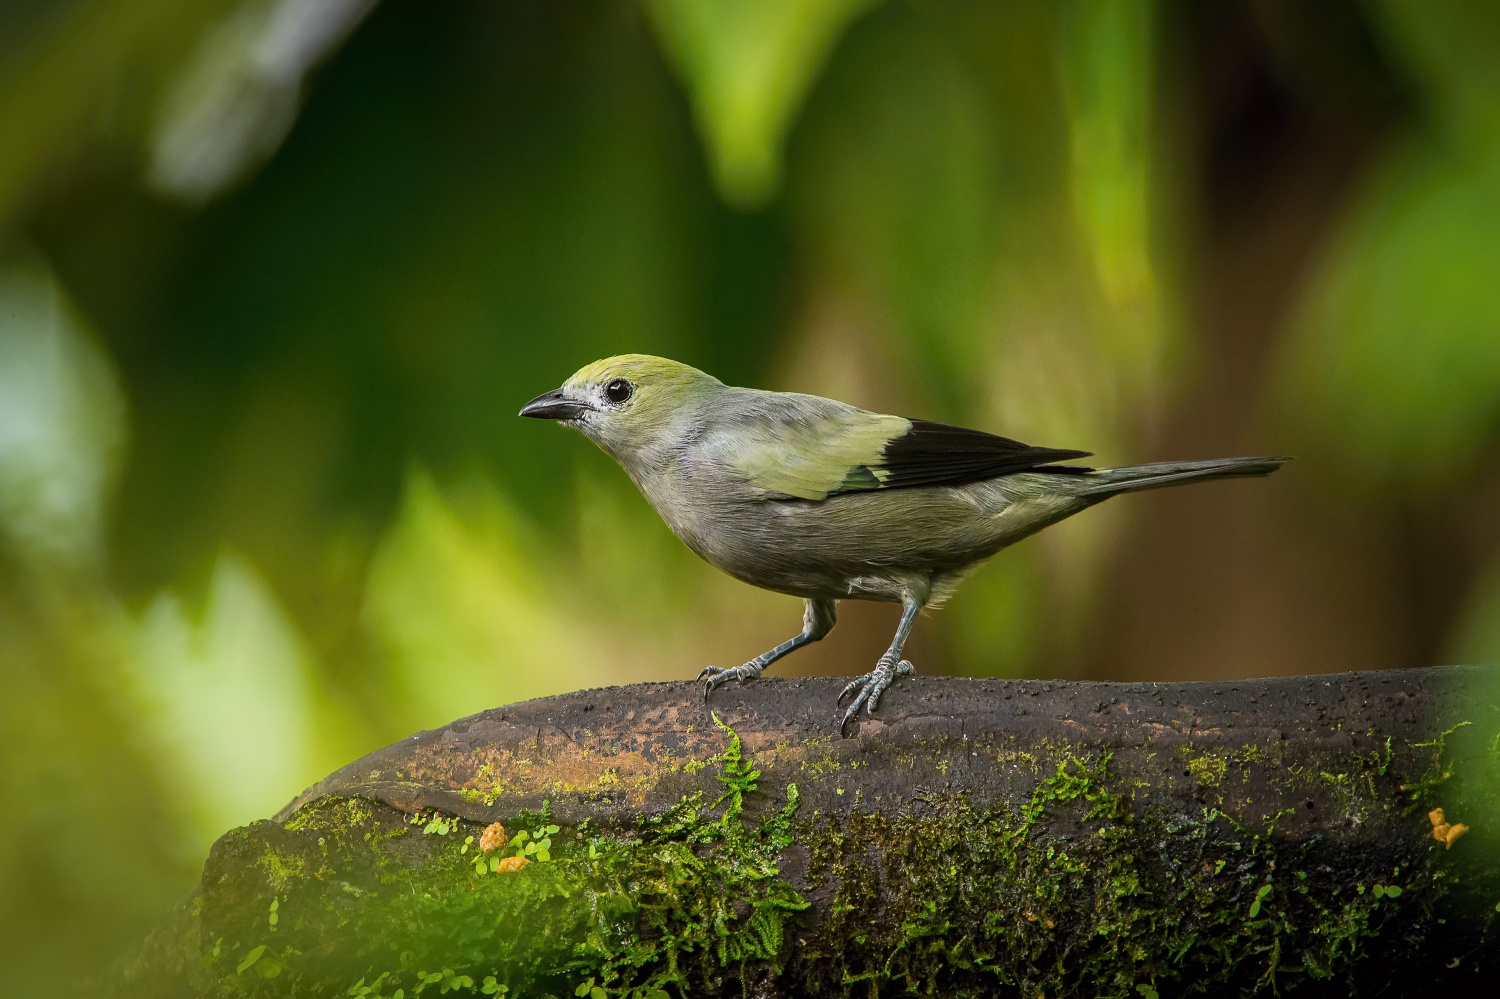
(1395, 360)
(1378, 891)
(251, 958)
(597, 993)
(1106, 55)
(1448, 51)
(896, 189)
(747, 65)
(583, 989)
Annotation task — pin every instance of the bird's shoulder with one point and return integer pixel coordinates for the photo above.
(810, 447)
(797, 445)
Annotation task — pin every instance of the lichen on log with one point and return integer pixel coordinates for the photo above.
(979, 837)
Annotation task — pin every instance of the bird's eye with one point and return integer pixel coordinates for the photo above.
(618, 390)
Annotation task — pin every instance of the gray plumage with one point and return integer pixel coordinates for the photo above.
(815, 498)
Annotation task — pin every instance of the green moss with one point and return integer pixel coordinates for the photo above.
(990, 904)
(1095, 885)
(282, 872)
(1208, 769)
(1424, 788)
(379, 903)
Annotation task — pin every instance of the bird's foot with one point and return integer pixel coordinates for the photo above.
(713, 676)
(870, 687)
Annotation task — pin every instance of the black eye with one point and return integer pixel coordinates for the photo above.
(618, 390)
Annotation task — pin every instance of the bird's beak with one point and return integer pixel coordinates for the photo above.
(554, 406)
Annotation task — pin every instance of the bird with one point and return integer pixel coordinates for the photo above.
(819, 499)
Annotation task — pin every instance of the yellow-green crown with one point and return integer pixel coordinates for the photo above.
(643, 369)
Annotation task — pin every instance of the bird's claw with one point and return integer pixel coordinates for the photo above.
(870, 687)
(713, 676)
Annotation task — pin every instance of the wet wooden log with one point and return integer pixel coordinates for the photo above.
(978, 837)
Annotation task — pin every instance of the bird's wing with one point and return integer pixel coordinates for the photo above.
(813, 451)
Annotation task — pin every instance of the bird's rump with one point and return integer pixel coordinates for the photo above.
(817, 448)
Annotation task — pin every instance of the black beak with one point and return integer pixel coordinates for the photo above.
(554, 406)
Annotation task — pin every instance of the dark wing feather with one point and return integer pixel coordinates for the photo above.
(937, 454)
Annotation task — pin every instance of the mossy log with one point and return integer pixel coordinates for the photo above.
(978, 837)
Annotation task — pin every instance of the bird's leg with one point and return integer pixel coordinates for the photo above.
(891, 665)
(817, 621)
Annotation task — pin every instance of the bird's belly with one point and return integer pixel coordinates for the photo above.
(873, 546)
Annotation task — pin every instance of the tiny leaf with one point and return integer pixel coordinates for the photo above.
(747, 64)
(251, 958)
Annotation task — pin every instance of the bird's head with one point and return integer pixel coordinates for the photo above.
(629, 405)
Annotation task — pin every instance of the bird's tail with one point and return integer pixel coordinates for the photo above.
(1109, 481)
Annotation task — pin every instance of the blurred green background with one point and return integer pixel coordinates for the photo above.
(275, 276)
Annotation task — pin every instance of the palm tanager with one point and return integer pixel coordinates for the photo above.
(815, 498)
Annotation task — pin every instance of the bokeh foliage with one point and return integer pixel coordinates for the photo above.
(276, 274)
